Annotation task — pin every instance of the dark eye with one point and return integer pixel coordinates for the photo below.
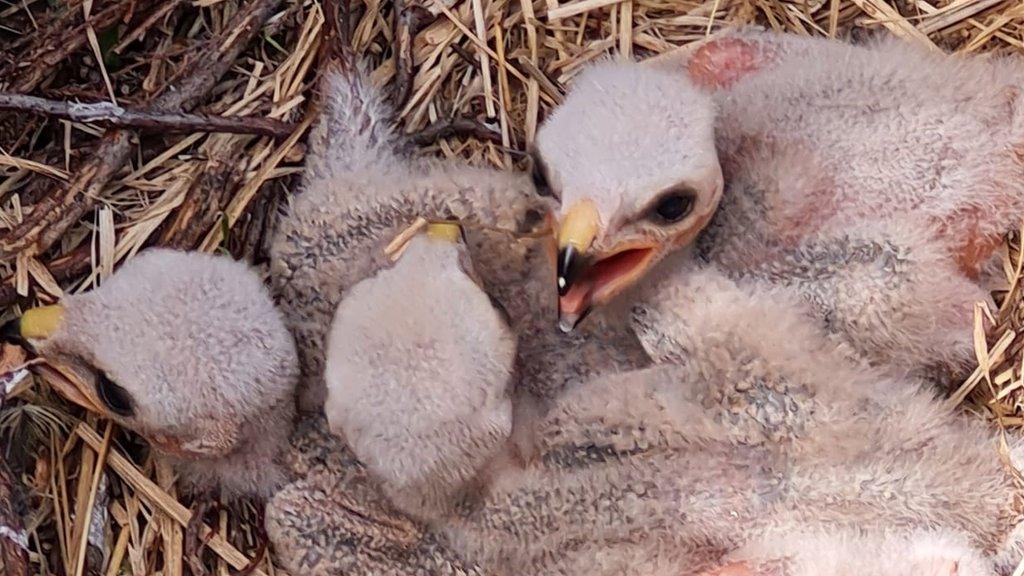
(116, 398)
(540, 180)
(674, 207)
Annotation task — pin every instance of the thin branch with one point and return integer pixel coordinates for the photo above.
(139, 31)
(13, 540)
(455, 127)
(465, 56)
(205, 199)
(553, 89)
(337, 31)
(113, 116)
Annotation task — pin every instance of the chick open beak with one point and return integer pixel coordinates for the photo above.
(37, 325)
(576, 233)
(585, 280)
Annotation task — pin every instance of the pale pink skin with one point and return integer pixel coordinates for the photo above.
(931, 567)
(720, 64)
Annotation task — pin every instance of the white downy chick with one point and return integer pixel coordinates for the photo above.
(187, 350)
(395, 349)
(831, 154)
(360, 190)
(706, 462)
(334, 519)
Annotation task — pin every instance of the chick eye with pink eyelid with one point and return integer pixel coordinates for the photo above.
(113, 396)
(673, 207)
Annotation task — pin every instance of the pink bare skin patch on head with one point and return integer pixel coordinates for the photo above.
(721, 63)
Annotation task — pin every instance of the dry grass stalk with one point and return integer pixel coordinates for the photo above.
(480, 76)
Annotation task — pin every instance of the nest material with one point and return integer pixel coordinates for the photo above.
(84, 188)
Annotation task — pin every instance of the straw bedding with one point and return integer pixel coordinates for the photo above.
(80, 193)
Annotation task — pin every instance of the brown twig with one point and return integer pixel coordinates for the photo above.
(553, 89)
(264, 543)
(253, 243)
(205, 199)
(41, 61)
(408, 21)
(13, 540)
(466, 56)
(195, 541)
(335, 32)
(62, 208)
(455, 127)
(140, 30)
(63, 269)
(114, 116)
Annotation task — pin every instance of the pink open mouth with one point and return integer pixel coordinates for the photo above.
(603, 280)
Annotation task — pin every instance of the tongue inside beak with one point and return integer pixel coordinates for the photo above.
(598, 283)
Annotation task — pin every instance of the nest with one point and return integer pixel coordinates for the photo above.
(195, 134)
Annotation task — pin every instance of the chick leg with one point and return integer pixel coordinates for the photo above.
(930, 567)
(889, 291)
(334, 521)
(419, 364)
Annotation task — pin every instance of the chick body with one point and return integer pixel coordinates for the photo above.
(735, 443)
(360, 190)
(876, 180)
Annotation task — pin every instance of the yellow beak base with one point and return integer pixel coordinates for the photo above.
(447, 231)
(579, 226)
(41, 323)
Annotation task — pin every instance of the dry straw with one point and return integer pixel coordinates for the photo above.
(79, 195)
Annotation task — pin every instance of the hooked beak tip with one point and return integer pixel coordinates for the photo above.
(568, 267)
(566, 325)
(567, 322)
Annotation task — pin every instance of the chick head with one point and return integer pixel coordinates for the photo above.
(631, 156)
(186, 349)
